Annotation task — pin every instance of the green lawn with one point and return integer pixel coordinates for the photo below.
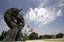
(47, 40)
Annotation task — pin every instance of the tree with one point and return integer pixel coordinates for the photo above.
(59, 35)
(45, 37)
(33, 36)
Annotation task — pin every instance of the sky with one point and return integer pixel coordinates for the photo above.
(43, 16)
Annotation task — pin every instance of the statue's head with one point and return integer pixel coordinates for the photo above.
(13, 11)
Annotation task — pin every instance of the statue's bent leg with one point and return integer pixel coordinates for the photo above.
(19, 36)
(11, 35)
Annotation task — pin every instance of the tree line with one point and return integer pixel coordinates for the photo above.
(34, 36)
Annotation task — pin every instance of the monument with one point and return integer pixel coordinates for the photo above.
(15, 22)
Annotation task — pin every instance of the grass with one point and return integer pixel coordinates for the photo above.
(47, 40)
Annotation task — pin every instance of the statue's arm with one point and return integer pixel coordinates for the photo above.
(11, 21)
(22, 21)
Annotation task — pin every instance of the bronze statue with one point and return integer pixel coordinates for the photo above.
(15, 22)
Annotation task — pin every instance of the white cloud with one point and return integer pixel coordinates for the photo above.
(42, 15)
(60, 5)
(59, 13)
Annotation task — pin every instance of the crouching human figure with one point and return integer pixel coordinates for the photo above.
(15, 22)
